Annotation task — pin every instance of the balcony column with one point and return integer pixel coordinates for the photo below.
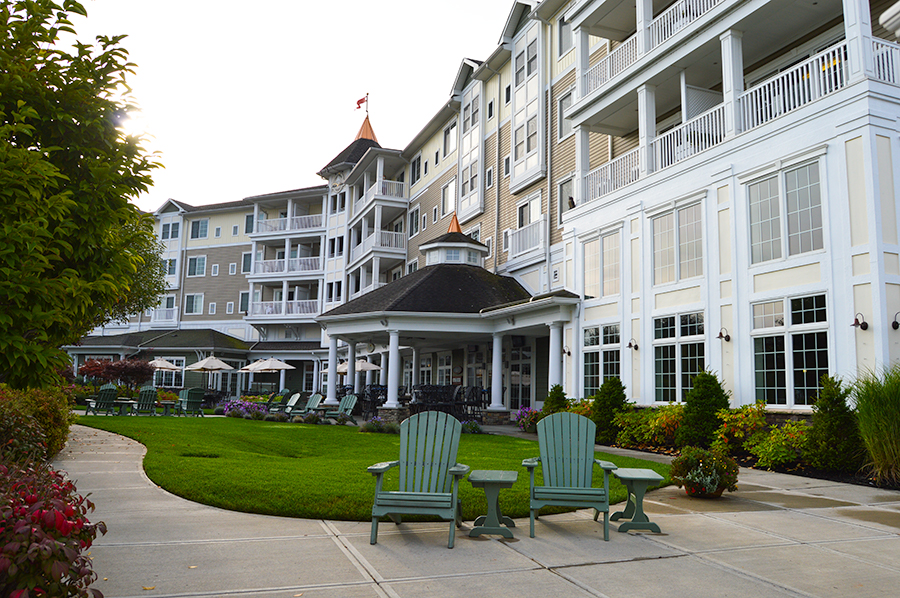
(255, 216)
(331, 393)
(732, 79)
(644, 10)
(252, 257)
(250, 301)
(393, 384)
(376, 271)
(287, 253)
(497, 374)
(646, 126)
(582, 59)
(858, 33)
(379, 173)
(367, 182)
(284, 298)
(351, 366)
(415, 369)
(582, 166)
(365, 229)
(378, 223)
(555, 365)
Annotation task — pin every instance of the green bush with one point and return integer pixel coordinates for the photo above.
(21, 437)
(782, 446)
(50, 407)
(608, 401)
(702, 402)
(878, 413)
(704, 472)
(634, 427)
(664, 423)
(740, 426)
(833, 442)
(527, 419)
(555, 401)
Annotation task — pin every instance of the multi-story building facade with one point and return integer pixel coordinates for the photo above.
(704, 184)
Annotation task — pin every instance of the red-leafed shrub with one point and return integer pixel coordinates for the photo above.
(95, 368)
(44, 532)
(130, 372)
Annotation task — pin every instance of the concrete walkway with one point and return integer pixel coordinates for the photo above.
(779, 535)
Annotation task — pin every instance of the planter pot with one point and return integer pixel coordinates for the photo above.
(697, 491)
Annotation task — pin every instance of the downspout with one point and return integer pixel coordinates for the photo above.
(181, 256)
(498, 242)
(549, 105)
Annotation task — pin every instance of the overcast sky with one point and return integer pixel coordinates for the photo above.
(246, 98)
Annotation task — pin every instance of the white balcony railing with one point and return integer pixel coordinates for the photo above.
(295, 264)
(823, 74)
(384, 188)
(268, 266)
(612, 64)
(274, 225)
(380, 240)
(527, 238)
(677, 17)
(306, 307)
(284, 308)
(613, 175)
(696, 135)
(886, 56)
(164, 314)
(368, 289)
(266, 308)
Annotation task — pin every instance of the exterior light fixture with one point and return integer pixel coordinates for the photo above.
(895, 324)
(567, 351)
(632, 344)
(859, 321)
(725, 337)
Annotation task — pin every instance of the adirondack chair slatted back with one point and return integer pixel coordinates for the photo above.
(429, 442)
(107, 393)
(147, 398)
(567, 450)
(347, 404)
(313, 402)
(196, 394)
(292, 401)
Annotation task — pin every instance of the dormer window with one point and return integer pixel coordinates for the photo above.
(453, 255)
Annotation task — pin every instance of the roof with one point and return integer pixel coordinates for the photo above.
(263, 346)
(188, 208)
(366, 131)
(441, 288)
(453, 238)
(187, 339)
(353, 152)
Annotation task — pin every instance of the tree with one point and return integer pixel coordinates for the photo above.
(75, 254)
(701, 404)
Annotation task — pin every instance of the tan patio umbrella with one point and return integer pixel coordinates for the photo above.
(271, 365)
(364, 366)
(210, 364)
(251, 367)
(162, 364)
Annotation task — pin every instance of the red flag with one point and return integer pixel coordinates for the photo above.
(360, 102)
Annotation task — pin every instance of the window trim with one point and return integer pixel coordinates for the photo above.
(601, 279)
(451, 133)
(198, 222)
(569, 93)
(678, 341)
(243, 259)
(675, 211)
(229, 307)
(211, 308)
(195, 258)
(214, 270)
(232, 268)
(448, 205)
(507, 165)
(415, 166)
(489, 178)
(560, 23)
(195, 311)
(241, 300)
(415, 210)
(602, 349)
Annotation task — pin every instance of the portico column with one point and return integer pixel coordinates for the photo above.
(383, 375)
(284, 298)
(646, 126)
(331, 396)
(415, 372)
(732, 78)
(351, 366)
(393, 383)
(644, 16)
(281, 378)
(497, 374)
(555, 372)
(369, 372)
(582, 59)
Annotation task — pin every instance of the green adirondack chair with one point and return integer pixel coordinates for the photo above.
(429, 473)
(567, 458)
(104, 401)
(345, 408)
(146, 402)
(308, 407)
(190, 401)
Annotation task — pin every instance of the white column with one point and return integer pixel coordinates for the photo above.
(290, 214)
(582, 166)
(376, 269)
(378, 223)
(646, 125)
(287, 253)
(369, 372)
(555, 372)
(732, 79)
(315, 376)
(250, 300)
(393, 382)
(383, 375)
(858, 32)
(331, 396)
(415, 372)
(351, 366)
(284, 300)
(582, 59)
(281, 378)
(497, 375)
(644, 16)
(379, 171)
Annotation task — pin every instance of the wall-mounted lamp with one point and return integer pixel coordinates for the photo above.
(859, 321)
(632, 344)
(725, 337)
(895, 324)
(384, 322)
(567, 351)
(511, 321)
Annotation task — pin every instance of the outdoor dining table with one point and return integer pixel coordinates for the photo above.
(168, 407)
(492, 481)
(636, 482)
(124, 404)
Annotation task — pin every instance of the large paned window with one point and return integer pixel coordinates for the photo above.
(193, 304)
(448, 198)
(565, 197)
(169, 378)
(520, 383)
(566, 42)
(788, 365)
(602, 356)
(444, 368)
(678, 245)
(415, 170)
(197, 266)
(564, 124)
(414, 222)
(678, 354)
(200, 229)
(602, 266)
(450, 139)
(425, 376)
(527, 110)
(796, 194)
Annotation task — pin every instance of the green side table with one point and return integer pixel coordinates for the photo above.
(636, 482)
(493, 481)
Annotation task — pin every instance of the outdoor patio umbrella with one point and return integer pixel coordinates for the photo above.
(251, 367)
(162, 364)
(271, 365)
(364, 366)
(210, 364)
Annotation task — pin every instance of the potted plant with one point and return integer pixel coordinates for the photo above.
(704, 473)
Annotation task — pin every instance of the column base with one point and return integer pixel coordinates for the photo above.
(393, 414)
(496, 418)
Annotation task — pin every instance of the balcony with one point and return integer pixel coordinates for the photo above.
(294, 265)
(887, 61)
(379, 240)
(164, 315)
(527, 238)
(281, 308)
(293, 223)
(385, 188)
(368, 289)
(694, 136)
(613, 175)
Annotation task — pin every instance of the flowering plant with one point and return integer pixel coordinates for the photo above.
(527, 419)
(471, 427)
(242, 408)
(165, 395)
(703, 472)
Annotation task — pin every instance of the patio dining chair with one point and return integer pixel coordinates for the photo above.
(146, 401)
(104, 401)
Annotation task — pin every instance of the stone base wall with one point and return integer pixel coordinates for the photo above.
(496, 418)
(395, 415)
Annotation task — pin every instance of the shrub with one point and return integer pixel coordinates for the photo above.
(312, 418)
(220, 410)
(833, 442)
(739, 426)
(165, 395)
(702, 402)
(245, 409)
(555, 401)
(281, 417)
(342, 419)
(704, 472)
(664, 423)
(583, 407)
(21, 437)
(878, 414)
(471, 427)
(783, 445)
(43, 532)
(634, 427)
(608, 401)
(527, 418)
(376, 425)
(51, 407)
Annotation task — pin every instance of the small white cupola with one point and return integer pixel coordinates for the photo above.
(454, 248)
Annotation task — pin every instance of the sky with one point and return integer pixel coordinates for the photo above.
(243, 98)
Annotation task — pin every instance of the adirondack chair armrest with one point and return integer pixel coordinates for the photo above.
(380, 468)
(459, 470)
(531, 463)
(606, 465)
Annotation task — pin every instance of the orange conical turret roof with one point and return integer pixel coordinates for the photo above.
(366, 131)
(454, 225)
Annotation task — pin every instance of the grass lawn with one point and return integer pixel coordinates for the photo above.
(316, 472)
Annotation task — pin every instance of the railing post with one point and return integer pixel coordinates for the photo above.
(582, 60)
(644, 17)
(732, 79)
(858, 33)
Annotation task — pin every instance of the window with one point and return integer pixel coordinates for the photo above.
(602, 356)
(507, 95)
(244, 302)
(212, 308)
(489, 178)
(425, 370)
(529, 211)
(175, 227)
(565, 36)
(506, 166)
(678, 354)
(197, 266)
(452, 255)
(246, 262)
(235, 230)
(193, 304)
(506, 240)
(801, 202)
(437, 157)
(565, 196)
(414, 222)
(214, 270)
(564, 124)
(337, 290)
(425, 168)
(199, 229)
(164, 233)
(412, 267)
(218, 231)
(339, 202)
(490, 110)
(531, 139)
(415, 170)
(678, 245)
(424, 221)
(229, 307)
(532, 58)
(248, 224)
(602, 265)
(169, 378)
(434, 214)
(232, 269)
(444, 368)
(448, 198)
(171, 265)
(807, 360)
(450, 139)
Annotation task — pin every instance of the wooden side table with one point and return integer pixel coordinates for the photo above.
(493, 481)
(636, 482)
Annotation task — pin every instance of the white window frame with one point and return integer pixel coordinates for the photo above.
(211, 308)
(415, 169)
(561, 25)
(202, 228)
(171, 266)
(232, 268)
(607, 285)
(604, 341)
(165, 231)
(229, 307)
(235, 230)
(170, 378)
(218, 232)
(490, 109)
(489, 178)
(194, 304)
(448, 204)
(434, 214)
(562, 199)
(241, 300)
(243, 261)
(248, 224)
(444, 368)
(450, 139)
(507, 165)
(196, 259)
(214, 270)
(414, 216)
(680, 261)
(678, 341)
(412, 266)
(564, 131)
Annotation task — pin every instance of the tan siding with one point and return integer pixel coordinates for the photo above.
(217, 289)
(622, 145)
(878, 7)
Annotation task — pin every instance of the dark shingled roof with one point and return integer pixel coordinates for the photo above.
(442, 288)
(349, 157)
(455, 238)
(287, 346)
(128, 339)
(201, 338)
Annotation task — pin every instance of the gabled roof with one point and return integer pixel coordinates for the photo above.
(466, 68)
(442, 288)
(351, 154)
(212, 207)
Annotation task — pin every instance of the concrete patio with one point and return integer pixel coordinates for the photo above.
(778, 535)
